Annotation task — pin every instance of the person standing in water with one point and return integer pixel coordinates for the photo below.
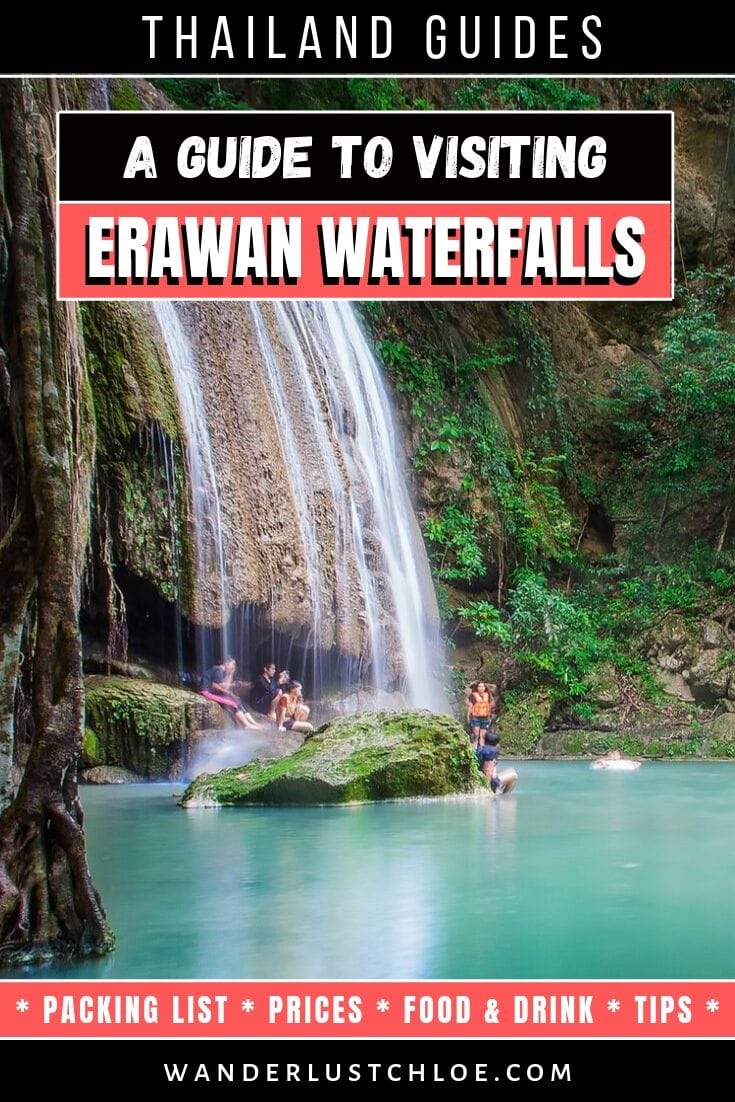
(480, 708)
(217, 687)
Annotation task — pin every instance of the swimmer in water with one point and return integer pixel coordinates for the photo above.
(615, 762)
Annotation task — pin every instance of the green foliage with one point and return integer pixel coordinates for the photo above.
(473, 95)
(535, 351)
(540, 94)
(455, 535)
(672, 423)
(486, 621)
(201, 94)
(370, 94)
(123, 96)
(675, 419)
(712, 96)
(533, 509)
(553, 634)
(526, 508)
(544, 94)
(422, 380)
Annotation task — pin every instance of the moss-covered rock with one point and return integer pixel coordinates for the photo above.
(522, 722)
(694, 740)
(143, 726)
(124, 97)
(131, 378)
(141, 482)
(631, 743)
(91, 753)
(378, 756)
(719, 736)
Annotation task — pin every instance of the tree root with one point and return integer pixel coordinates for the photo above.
(48, 905)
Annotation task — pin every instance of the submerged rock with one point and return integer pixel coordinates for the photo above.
(378, 756)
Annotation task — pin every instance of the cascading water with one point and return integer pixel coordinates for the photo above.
(206, 506)
(361, 565)
(338, 444)
(334, 415)
(375, 461)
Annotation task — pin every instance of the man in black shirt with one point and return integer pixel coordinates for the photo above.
(265, 690)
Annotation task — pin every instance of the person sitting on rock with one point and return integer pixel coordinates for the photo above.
(266, 690)
(282, 683)
(217, 687)
(292, 714)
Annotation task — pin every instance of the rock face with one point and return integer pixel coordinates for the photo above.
(696, 659)
(521, 725)
(109, 774)
(143, 726)
(379, 756)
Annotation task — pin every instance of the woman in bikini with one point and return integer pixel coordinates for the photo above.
(291, 712)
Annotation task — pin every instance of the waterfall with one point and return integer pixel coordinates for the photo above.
(205, 502)
(334, 417)
(339, 445)
(347, 546)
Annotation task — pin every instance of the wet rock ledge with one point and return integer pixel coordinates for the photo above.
(359, 759)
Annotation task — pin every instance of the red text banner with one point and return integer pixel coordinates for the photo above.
(485, 1009)
(578, 250)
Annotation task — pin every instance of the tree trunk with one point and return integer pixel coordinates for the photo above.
(17, 574)
(48, 904)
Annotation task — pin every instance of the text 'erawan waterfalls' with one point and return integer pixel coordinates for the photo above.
(306, 546)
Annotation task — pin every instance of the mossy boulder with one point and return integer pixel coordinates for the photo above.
(719, 736)
(522, 722)
(143, 726)
(695, 740)
(91, 753)
(377, 756)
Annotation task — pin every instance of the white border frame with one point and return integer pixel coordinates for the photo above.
(380, 202)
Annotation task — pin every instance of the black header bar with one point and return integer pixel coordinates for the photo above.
(95, 148)
(584, 41)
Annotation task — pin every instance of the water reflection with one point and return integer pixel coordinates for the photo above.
(575, 874)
